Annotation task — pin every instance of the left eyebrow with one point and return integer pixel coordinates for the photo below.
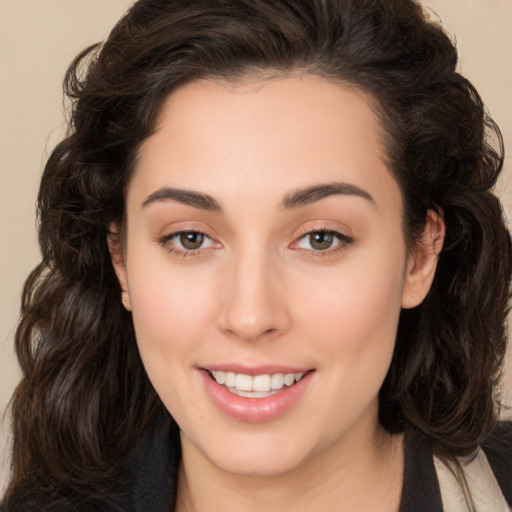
(314, 193)
(188, 197)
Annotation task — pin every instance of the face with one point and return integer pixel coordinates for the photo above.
(266, 267)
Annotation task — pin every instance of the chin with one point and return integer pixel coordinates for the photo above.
(263, 454)
(260, 466)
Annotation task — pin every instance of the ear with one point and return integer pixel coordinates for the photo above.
(117, 257)
(422, 261)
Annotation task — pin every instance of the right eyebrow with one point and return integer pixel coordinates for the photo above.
(188, 197)
(308, 195)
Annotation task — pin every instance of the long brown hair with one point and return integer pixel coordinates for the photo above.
(84, 398)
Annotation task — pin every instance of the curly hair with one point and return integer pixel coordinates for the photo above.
(84, 397)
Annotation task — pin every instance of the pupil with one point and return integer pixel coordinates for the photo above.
(321, 241)
(191, 241)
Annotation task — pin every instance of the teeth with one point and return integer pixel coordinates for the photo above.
(289, 379)
(229, 379)
(243, 384)
(277, 381)
(261, 383)
(220, 377)
(252, 394)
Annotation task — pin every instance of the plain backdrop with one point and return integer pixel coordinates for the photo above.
(38, 39)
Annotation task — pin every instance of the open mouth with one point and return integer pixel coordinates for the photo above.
(255, 386)
(256, 395)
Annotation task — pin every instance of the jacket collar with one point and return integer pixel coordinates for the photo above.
(152, 472)
(420, 492)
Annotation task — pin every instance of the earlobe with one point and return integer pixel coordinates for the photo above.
(117, 258)
(422, 261)
(125, 299)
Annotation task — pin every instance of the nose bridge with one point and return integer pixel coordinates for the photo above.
(254, 303)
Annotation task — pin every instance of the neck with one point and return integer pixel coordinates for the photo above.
(360, 473)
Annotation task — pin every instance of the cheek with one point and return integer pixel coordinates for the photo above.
(171, 307)
(353, 311)
(171, 315)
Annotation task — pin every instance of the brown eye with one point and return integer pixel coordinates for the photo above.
(188, 243)
(191, 241)
(321, 240)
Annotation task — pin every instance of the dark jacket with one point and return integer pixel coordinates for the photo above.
(148, 476)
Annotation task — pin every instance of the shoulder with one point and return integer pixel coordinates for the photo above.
(152, 467)
(485, 477)
(498, 450)
(43, 500)
(144, 481)
(428, 481)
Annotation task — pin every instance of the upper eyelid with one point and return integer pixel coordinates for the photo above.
(188, 227)
(172, 234)
(338, 234)
(343, 241)
(298, 237)
(323, 229)
(342, 236)
(165, 243)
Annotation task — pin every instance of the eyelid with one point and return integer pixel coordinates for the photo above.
(344, 240)
(165, 242)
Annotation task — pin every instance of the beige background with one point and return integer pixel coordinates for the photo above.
(38, 38)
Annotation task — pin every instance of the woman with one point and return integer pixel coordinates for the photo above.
(274, 276)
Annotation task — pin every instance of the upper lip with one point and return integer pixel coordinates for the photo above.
(255, 370)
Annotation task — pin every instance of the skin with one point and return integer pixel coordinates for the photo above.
(257, 292)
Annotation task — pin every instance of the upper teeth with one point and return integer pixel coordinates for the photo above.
(257, 382)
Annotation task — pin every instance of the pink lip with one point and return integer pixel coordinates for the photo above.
(254, 370)
(254, 410)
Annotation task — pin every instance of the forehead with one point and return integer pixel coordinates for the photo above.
(263, 137)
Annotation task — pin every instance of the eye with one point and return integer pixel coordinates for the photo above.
(322, 241)
(191, 241)
(186, 241)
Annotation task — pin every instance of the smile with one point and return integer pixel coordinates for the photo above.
(263, 396)
(257, 386)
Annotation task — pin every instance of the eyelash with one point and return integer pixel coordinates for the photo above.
(342, 239)
(343, 242)
(165, 242)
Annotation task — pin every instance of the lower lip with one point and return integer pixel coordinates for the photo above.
(254, 410)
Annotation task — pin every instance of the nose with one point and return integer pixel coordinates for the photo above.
(254, 304)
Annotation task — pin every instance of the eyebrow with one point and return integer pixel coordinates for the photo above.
(188, 197)
(315, 193)
(296, 199)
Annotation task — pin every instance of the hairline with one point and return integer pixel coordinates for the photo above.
(256, 75)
